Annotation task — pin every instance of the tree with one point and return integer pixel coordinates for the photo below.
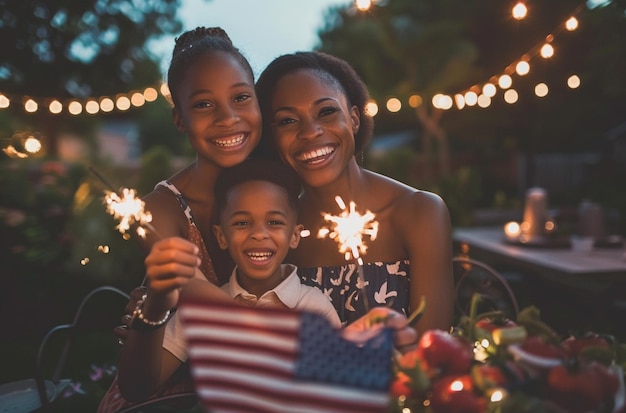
(79, 48)
(401, 47)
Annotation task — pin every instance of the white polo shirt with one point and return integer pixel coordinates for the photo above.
(290, 293)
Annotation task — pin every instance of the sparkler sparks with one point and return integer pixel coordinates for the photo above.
(129, 209)
(348, 230)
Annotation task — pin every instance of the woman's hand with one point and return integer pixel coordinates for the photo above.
(366, 327)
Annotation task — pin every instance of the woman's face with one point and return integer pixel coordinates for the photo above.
(312, 126)
(218, 110)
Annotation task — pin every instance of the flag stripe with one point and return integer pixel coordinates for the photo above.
(262, 335)
(296, 397)
(255, 358)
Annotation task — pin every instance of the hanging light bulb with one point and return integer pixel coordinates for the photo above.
(571, 24)
(522, 68)
(363, 5)
(394, 105)
(75, 108)
(505, 81)
(547, 51)
(510, 96)
(55, 107)
(541, 90)
(519, 11)
(30, 105)
(371, 108)
(573, 82)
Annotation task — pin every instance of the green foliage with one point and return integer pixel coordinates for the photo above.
(396, 163)
(156, 128)
(156, 165)
(401, 47)
(77, 49)
(35, 213)
(461, 191)
(88, 47)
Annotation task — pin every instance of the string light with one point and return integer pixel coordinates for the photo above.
(394, 105)
(363, 5)
(482, 95)
(90, 105)
(510, 96)
(522, 68)
(4, 102)
(541, 90)
(573, 82)
(473, 96)
(519, 11)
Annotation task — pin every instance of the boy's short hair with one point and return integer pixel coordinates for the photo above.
(257, 169)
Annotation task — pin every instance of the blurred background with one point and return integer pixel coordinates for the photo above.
(476, 101)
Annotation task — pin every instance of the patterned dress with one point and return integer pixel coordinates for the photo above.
(385, 284)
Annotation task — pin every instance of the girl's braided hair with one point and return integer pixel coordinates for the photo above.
(195, 43)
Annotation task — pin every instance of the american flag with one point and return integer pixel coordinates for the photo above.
(261, 360)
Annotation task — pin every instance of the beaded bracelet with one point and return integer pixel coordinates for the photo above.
(140, 322)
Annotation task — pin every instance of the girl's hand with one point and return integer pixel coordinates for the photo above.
(170, 265)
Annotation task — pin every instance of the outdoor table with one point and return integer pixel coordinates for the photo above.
(599, 266)
(591, 284)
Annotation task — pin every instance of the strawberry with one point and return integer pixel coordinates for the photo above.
(539, 346)
(455, 394)
(444, 353)
(581, 387)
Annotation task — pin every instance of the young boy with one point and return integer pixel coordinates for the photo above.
(256, 202)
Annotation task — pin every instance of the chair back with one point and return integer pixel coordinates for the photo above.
(87, 341)
(475, 277)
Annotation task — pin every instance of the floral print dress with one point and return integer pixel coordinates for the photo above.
(384, 284)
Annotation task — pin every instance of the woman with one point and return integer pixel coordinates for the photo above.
(313, 107)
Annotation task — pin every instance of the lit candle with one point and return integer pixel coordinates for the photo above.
(535, 213)
(512, 231)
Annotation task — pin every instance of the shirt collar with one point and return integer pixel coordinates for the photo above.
(288, 291)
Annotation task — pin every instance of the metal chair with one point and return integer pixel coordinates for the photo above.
(471, 277)
(98, 313)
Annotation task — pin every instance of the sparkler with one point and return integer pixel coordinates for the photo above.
(348, 230)
(130, 210)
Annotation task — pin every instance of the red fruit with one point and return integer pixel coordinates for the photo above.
(487, 376)
(539, 346)
(444, 353)
(490, 324)
(581, 388)
(455, 394)
(400, 385)
(409, 360)
(575, 345)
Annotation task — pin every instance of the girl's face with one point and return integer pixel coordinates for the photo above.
(218, 109)
(313, 127)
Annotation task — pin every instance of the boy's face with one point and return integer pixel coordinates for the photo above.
(258, 226)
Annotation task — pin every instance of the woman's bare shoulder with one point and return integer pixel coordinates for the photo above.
(405, 196)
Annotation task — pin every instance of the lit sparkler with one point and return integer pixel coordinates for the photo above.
(348, 230)
(130, 210)
(127, 207)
